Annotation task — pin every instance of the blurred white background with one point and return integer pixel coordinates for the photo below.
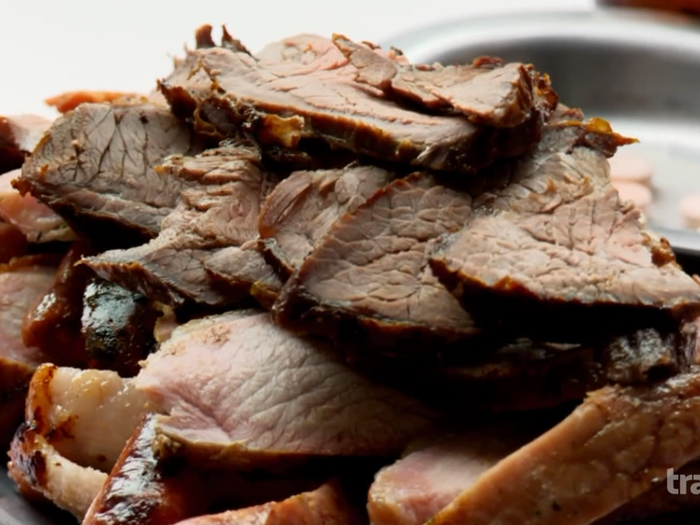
(49, 46)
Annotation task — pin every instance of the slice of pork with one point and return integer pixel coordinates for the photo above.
(289, 101)
(326, 505)
(70, 100)
(41, 473)
(612, 448)
(22, 283)
(244, 393)
(87, 415)
(13, 243)
(95, 168)
(19, 134)
(218, 211)
(34, 219)
(304, 206)
(141, 491)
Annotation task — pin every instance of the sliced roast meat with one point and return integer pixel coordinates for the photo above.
(70, 407)
(318, 97)
(41, 473)
(487, 91)
(326, 505)
(557, 240)
(13, 243)
(368, 279)
(140, 490)
(53, 324)
(304, 206)
(244, 393)
(22, 283)
(19, 134)
(34, 219)
(219, 210)
(95, 168)
(612, 448)
(117, 326)
(70, 100)
(434, 472)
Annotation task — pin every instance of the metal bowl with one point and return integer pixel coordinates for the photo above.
(638, 69)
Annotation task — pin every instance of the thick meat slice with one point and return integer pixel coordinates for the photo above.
(558, 234)
(22, 283)
(70, 100)
(34, 219)
(13, 243)
(70, 407)
(303, 207)
(53, 325)
(220, 210)
(368, 279)
(140, 491)
(117, 326)
(95, 168)
(317, 97)
(487, 91)
(245, 393)
(324, 506)
(19, 134)
(41, 473)
(612, 448)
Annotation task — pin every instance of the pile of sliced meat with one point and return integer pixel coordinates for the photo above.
(320, 284)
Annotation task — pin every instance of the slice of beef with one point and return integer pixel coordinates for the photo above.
(611, 449)
(42, 474)
(19, 134)
(304, 206)
(95, 168)
(368, 279)
(53, 323)
(70, 100)
(487, 91)
(140, 490)
(245, 267)
(317, 97)
(539, 252)
(22, 283)
(117, 326)
(70, 407)
(244, 393)
(326, 505)
(13, 243)
(219, 210)
(34, 219)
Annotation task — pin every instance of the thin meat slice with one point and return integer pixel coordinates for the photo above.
(95, 168)
(22, 283)
(70, 100)
(139, 490)
(41, 473)
(487, 91)
(304, 206)
(34, 219)
(244, 393)
(326, 505)
(612, 448)
(368, 279)
(557, 236)
(19, 134)
(219, 210)
(70, 407)
(318, 98)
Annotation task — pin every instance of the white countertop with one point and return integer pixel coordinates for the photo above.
(47, 47)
